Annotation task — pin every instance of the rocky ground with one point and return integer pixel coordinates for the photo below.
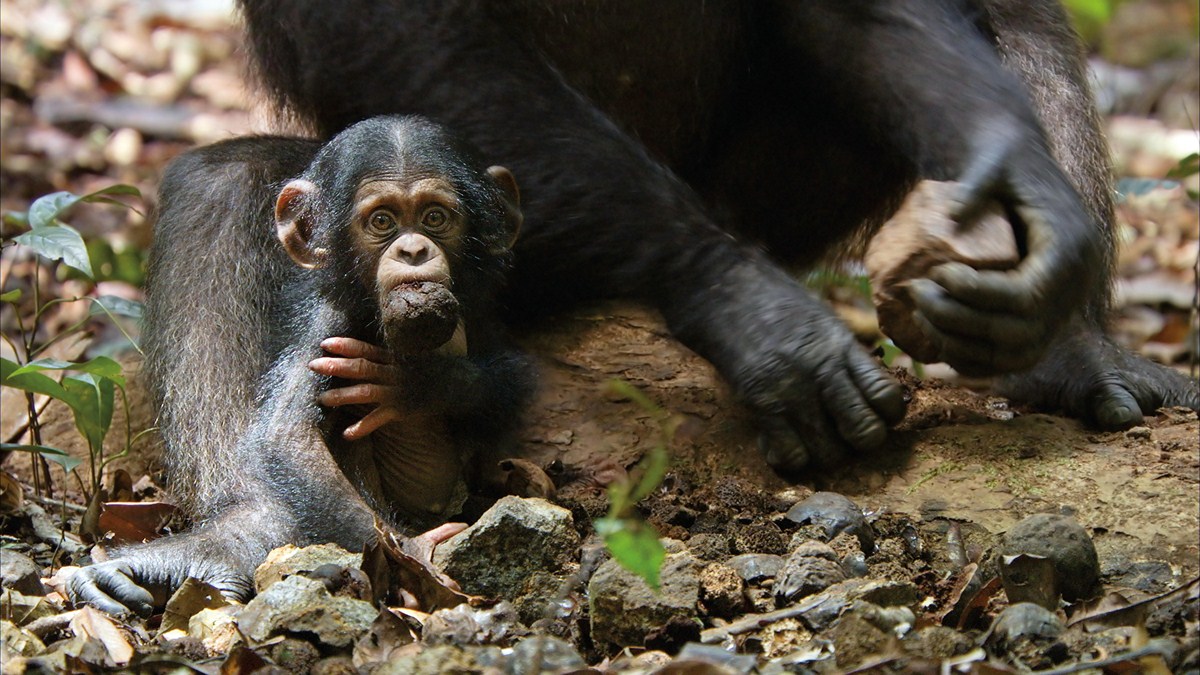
(985, 538)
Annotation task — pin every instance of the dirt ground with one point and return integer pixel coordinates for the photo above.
(958, 454)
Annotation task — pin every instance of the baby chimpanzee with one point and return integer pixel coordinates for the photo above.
(396, 241)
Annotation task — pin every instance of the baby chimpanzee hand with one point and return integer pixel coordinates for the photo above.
(372, 367)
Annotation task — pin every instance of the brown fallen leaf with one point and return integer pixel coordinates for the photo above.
(393, 572)
(1113, 609)
(390, 632)
(135, 522)
(11, 496)
(92, 624)
(193, 595)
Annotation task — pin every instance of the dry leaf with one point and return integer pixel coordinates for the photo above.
(193, 596)
(135, 522)
(92, 624)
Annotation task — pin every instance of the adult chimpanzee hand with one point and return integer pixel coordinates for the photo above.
(817, 393)
(992, 322)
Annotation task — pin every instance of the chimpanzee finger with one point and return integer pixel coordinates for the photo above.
(110, 588)
(1013, 292)
(1115, 407)
(371, 422)
(855, 419)
(880, 389)
(422, 545)
(352, 369)
(954, 318)
(781, 445)
(978, 184)
(357, 394)
(355, 349)
(975, 357)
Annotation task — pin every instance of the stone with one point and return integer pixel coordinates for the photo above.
(834, 514)
(20, 573)
(302, 605)
(722, 590)
(811, 568)
(288, 560)
(520, 550)
(624, 610)
(1063, 541)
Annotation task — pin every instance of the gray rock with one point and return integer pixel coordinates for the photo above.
(1067, 544)
(299, 604)
(548, 653)
(287, 560)
(721, 590)
(499, 554)
(701, 653)
(754, 567)
(465, 625)
(624, 609)
(886, 593)
(811, 568)
(1029, 633)
(441, 659)
(1026, 619)
(20, 573)
(834, 513)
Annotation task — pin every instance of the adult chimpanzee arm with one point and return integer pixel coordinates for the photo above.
(952, 107)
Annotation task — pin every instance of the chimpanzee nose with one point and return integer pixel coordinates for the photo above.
(414, 250)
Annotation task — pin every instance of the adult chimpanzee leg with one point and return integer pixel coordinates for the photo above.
(1083, 372)
(602, 218)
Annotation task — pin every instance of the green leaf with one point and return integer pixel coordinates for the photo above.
(117, 305)
(93, 405)
(45, 211)
(102, 366)
(635, 546)
(31, 382)
(889, 351)
(1188, 166)
(653, 468)
(53, 454)
(12, 296)
(118, 189)
(16, 219)
(59, 242)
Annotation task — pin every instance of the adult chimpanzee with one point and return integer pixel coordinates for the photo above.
(392, 235)
(638, 126)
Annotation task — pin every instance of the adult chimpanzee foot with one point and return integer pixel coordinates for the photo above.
(1085, 375)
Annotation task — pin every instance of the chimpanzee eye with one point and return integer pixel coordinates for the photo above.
(436, 220)
(381, 221)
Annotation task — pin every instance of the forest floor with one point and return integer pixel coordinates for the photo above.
(108, 94)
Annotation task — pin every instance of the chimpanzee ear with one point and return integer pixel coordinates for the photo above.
(294, 223)
(512, 205)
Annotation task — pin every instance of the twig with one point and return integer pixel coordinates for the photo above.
(756, 621)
